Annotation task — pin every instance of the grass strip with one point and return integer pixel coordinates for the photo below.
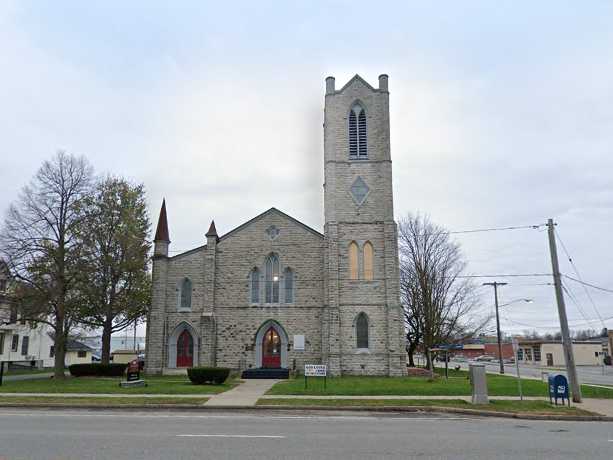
(155, 385)
(457, 385)
(100, 401)
(532, 407)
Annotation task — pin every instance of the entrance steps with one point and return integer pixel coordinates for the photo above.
(265, 373)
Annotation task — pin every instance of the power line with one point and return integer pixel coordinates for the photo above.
(455, 232)
(588, 284)
(479, 230)
(511, 275)
(579, 276)
(576, 302)
(556, 326)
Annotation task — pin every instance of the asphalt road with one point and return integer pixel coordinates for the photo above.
(587, 374)
(60, 434)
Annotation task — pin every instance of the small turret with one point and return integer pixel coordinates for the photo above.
(383, 82)
(161, 241)
(330, 85)
(211, 235)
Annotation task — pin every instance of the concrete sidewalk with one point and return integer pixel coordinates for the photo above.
(245, 394)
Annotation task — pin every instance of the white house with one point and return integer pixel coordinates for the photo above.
(31, 344)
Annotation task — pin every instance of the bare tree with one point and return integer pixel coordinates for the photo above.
(439, 304)
(40, 242)
(118, 291)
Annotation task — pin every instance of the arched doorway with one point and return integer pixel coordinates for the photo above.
(271, 349)
(271, 343)
(185, 349)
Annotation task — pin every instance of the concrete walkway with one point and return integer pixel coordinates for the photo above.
(245, 394)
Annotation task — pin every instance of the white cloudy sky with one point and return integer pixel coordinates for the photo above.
(501, 116)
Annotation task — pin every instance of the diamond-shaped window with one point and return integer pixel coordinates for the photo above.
(359, 191)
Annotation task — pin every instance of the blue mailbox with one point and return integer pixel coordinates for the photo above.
(558, 388)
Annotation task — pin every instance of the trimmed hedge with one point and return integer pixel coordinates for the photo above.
(202, 375)
(97, 370)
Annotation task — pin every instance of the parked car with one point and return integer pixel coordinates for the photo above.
(486, 358)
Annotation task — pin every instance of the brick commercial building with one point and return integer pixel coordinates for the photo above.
(275, 293)
(473, 350)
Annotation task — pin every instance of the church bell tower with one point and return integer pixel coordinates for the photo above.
(363, 331)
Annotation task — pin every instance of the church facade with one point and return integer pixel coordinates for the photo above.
(276, 294)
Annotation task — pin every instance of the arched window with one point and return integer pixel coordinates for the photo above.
(289, 285)
(353, 261)
(368, 261)
(272, 279)
(254, 279)
(357, 132)
(361, 331)
(185, 296)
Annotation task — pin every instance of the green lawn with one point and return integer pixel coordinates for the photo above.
(175, 384)
(533, 407)
(100, 401)
(457, 385)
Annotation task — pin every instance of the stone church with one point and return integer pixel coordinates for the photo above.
(274, 294)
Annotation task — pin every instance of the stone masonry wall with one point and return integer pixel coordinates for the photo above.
(238, 320)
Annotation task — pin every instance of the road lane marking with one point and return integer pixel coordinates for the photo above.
(228, 436)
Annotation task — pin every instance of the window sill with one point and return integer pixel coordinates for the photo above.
(362, 351)
(270, 305)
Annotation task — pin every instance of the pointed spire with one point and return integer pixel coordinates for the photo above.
(212, 230)
(161, 234)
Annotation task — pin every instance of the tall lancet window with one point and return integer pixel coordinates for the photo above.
(361, 331)
(272, 279)
(288, 275)
(353, 261)
(185, 295)
(368, 261)
(357, 132)
(255, 285)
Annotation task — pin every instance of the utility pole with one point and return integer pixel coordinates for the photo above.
(496, 284)
(569, 358)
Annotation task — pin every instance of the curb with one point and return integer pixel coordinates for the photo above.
(272, 408)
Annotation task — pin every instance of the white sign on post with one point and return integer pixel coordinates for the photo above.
(515, 343)
(315, 370)
(299, 342)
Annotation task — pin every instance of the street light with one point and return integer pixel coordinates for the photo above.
(516, 300)
(495, 285)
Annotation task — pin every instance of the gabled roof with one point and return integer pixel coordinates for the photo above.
(356, 77)
(265, 213)
(190, 251)
(161, 233)
(74, 345)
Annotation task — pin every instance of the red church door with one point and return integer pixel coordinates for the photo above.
(185, 350)
(271, 349)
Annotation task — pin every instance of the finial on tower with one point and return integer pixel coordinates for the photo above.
(212, 230)
(161, 233)
(161, 239)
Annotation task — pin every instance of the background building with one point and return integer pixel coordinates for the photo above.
(551, 354)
